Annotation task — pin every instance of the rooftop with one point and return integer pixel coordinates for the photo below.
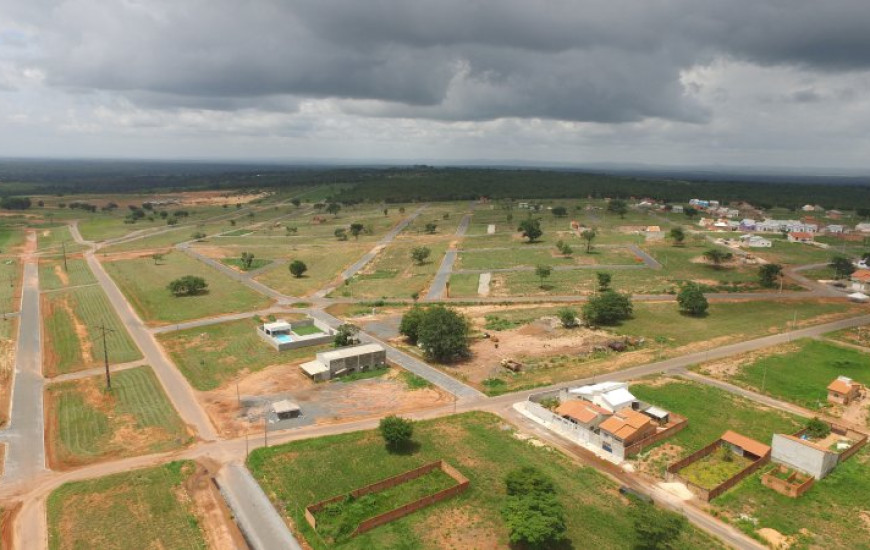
(581, 411)
(843, 384)
(351, 351)
(625, 424)
(745, 443)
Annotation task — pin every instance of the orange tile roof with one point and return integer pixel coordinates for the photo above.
(862, 275)
(841, 386)
(745, 443)
(625, 424)
(582, 411)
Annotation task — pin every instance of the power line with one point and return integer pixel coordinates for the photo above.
(103, 329)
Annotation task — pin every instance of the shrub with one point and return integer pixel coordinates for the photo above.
(692, 300)
(533, 514)
(396, 431)
(297, 268)
(189, 285)
(817, 429)
(607, 308)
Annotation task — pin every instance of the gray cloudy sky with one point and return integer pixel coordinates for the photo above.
(733, 82)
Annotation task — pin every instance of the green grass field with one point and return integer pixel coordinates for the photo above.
(325, 262)
(11, 238)
(827, 516)
(73, 341)
(11, 271)
(303, 472)
(714, 469)
(394, 274)
(143, 509)
(213, 355)
(88, 424)
(530, 257)
(144, 284)
(712, 411)
(53, 276)
(802, 376)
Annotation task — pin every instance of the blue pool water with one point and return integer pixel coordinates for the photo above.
(283, 338)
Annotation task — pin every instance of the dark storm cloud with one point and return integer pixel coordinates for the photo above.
(615, 61)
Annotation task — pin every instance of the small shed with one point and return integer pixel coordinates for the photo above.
(286, 409)
(745, 446)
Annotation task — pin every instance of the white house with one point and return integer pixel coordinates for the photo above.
(677, 209)
(835, 228)
(756, 241)
(612, 396)
(861, 280)
(341, 361)
(283, 335)
(863, 227)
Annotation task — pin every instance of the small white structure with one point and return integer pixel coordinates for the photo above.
(283, 335)
(286, 409)
(677, 209)
(755, 241)
(613, 396)
(863, 227)
(330, 364)
(859, 297)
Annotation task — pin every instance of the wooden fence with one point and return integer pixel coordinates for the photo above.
(703, 492)
(462, 484)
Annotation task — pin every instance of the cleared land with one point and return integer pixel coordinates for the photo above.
(73, 340)
(11, 271)
(144, 283)
(172, 506)
(715, 468)
(551, 354)
(213, 355)
(303, 472)
(86, 423)
(800, 374)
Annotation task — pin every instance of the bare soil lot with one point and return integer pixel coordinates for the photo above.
(321, 403)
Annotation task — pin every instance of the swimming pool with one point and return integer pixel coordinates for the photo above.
(283, 338)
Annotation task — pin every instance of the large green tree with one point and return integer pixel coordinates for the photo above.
(443, 334)
(396, 431)
(678, 235)
(618, 207)
(692, 300)
(842, 266)
(655, 529)
(717, 257)
(531, 229)
(532, 511)
(769, 274)
(607, 308)
(189, 285)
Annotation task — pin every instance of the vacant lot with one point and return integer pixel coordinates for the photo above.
(859, 336)
(832, 515)
(301, 473)
(802, 374)
(715, 468)
(73, 340)
(711, 412)
(53, 275)
(394, 274)
(171, 506)
(213, 355)
(144, 283)
(55, 239)
(11, 271)
(86, 423)
(552, 355)
(325, 262)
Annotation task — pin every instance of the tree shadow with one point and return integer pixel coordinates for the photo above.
(410, 448)
(547, 287)
(691, 315)
(564, 544)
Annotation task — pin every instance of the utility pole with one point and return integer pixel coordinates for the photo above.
(63, 247)
(265, 429)
(104, 329)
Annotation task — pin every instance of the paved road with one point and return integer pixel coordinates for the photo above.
(176, 386)
(442, 277)
(25, 454)
(263, 527)
(599, 267)
(387, 239)
(433, 375)
(648, 260)
(224, 319)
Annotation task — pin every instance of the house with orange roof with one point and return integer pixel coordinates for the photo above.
(624, 428)
(586, 414)
(843, 390)
(800, 237)
(861, 280)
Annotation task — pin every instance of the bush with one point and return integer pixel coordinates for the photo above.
(297, 268)
(692, 300)
(655, 529)
(410, 325)
(189, 285)
(345, 335)
(607, 308)
(568, 317)
(533, 514)
(818, 429)
(396, 431)
(768, 275)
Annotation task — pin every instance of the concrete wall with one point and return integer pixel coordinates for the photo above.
(311, 340)
(816, 462)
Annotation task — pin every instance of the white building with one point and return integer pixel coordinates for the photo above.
(612, 396)
(330, 364)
